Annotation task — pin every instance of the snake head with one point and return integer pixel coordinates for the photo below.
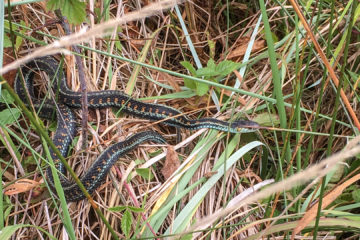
(244, 126)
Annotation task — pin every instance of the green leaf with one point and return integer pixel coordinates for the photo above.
(118, 44)
(145, 173)
(189, 82)
(117, 208)
(206, 72)
(211, 64)
(126, 223)
(9, 116)
(338, 173)
(202, 89)
(74, 10)
(189, 67)
(6, 97)
(7, 41)
(19, 40)
(139, 161)
(7, 26)
(222, 69)
(54, 4)
(356, 195)
(210, 72)
(135, 209)
(226, 67)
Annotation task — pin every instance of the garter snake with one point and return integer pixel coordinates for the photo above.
(66, 122)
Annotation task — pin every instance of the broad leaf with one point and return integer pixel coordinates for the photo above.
(126, 223)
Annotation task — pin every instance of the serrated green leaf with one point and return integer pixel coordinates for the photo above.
(226, 67)
(135, 209)
(126, 223)
(9, 116)
(145, 173)
(74, 10)
(222, 69)
(210, 72)
(211, 64)
(202, 89)
(54, 4)
(189, 67)
(117, 208)
(206, 72)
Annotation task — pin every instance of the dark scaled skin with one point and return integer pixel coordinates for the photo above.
(66, 126)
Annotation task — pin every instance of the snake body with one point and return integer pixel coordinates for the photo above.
(66, 122)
